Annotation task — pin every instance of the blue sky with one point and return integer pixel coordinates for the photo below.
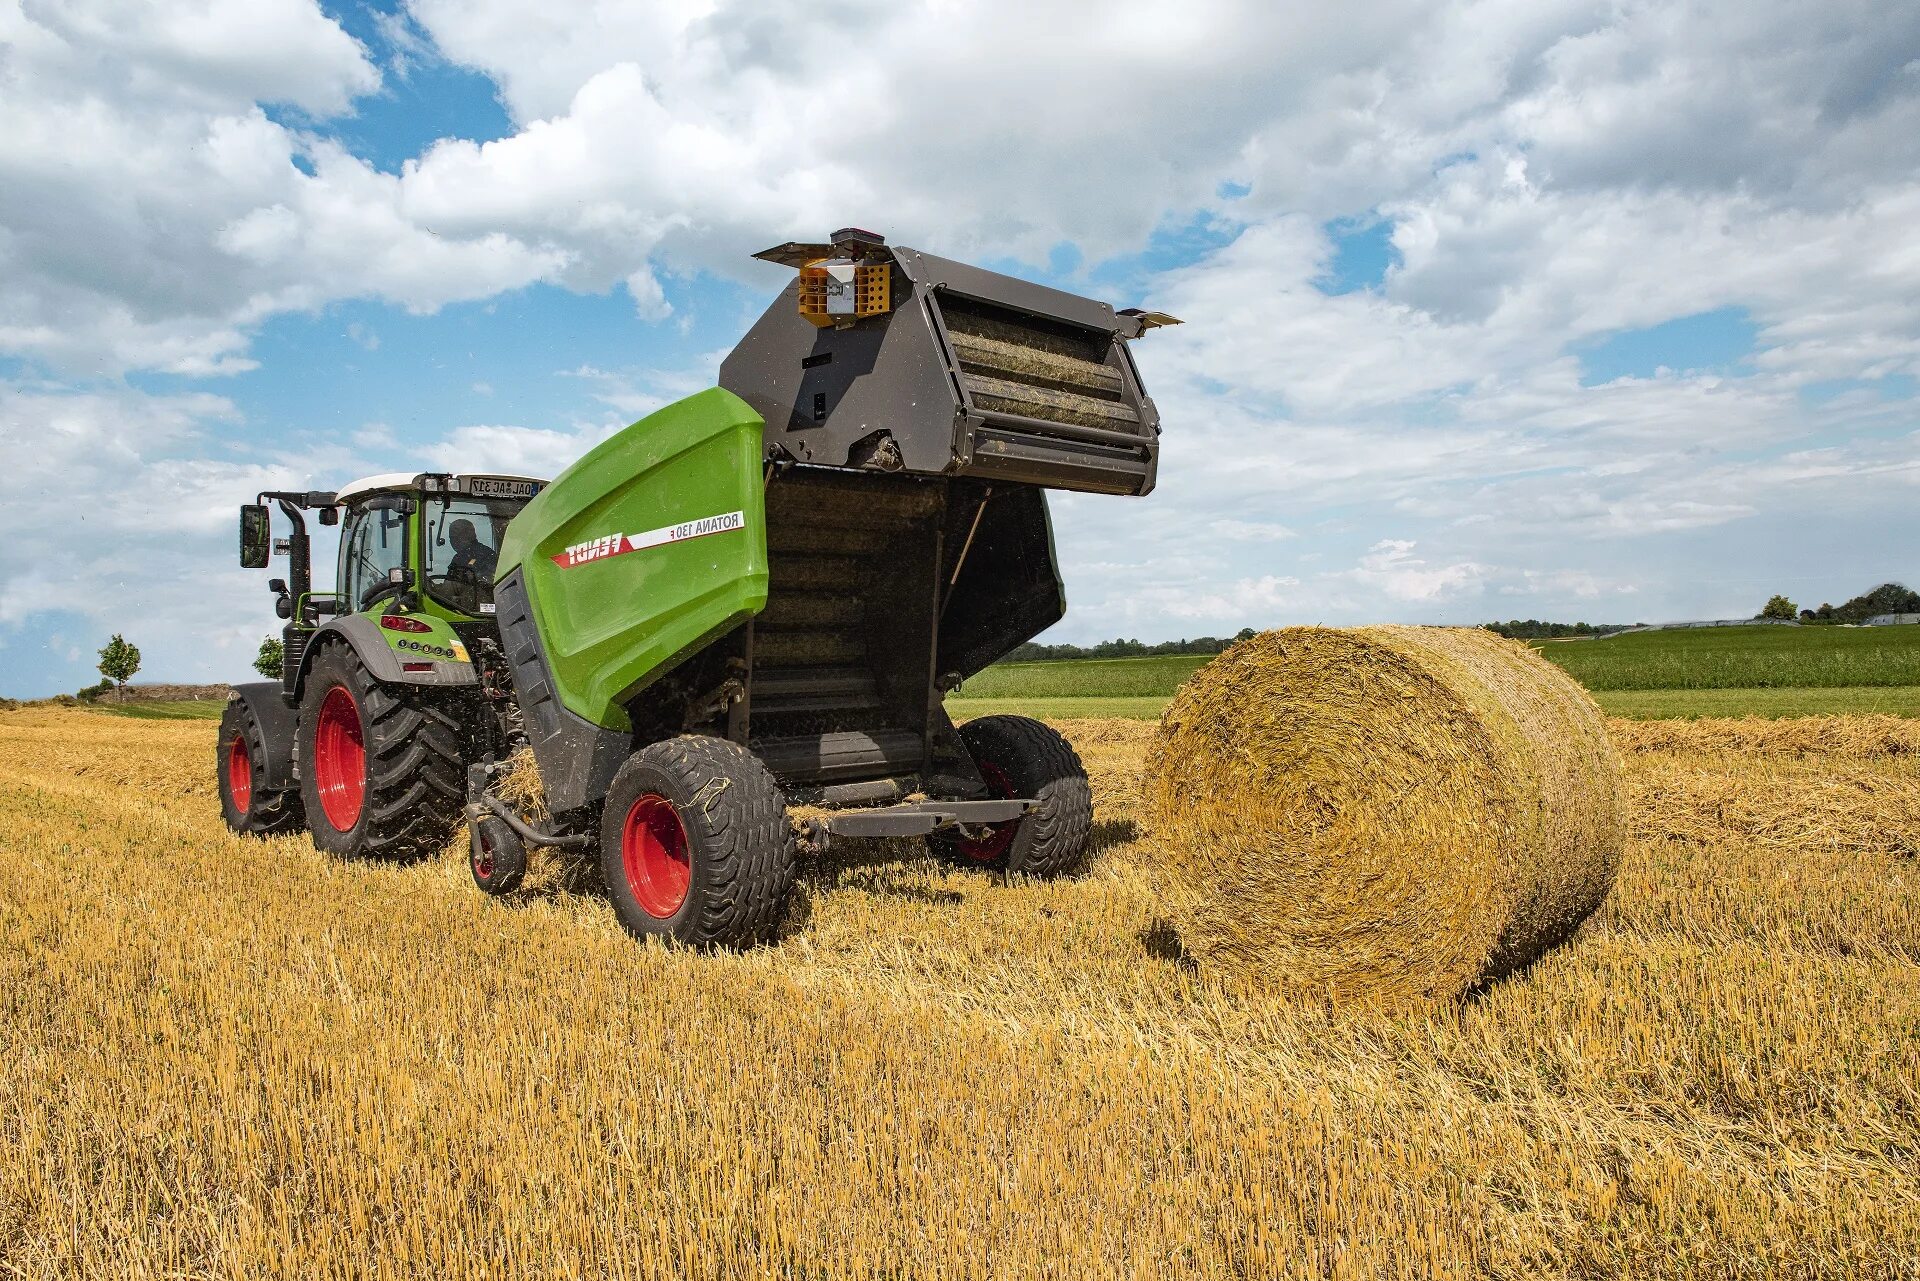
(1576, 313)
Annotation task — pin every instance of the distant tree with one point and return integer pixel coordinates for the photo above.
(272, 654)
(1245, 633)
(119, 661)
(1778, 607)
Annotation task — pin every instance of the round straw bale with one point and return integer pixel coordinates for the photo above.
(1386, 815)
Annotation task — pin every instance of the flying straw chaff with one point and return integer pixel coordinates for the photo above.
(1389, 815)
(518, 784)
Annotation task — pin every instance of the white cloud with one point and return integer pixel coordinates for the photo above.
(1391, 567)
(1553, 173)
(1251, 531)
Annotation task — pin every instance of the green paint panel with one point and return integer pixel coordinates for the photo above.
(438, 644)
(650, 547)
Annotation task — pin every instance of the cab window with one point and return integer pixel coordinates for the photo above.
(372, 544)
(463, 549)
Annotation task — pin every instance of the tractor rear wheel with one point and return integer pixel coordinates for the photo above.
(695, 845)
(246, 803)
(382, 767)
(1019, 756)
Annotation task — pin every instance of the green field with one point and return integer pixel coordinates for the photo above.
(1086, 678)
(1719, 671)
(1744, 658)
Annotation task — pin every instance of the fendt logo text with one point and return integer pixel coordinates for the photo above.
(618, 544)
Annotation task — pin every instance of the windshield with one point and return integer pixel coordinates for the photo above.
(463, 545)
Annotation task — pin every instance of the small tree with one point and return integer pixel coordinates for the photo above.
(1779, 607)
(272, 654)
(119, 661)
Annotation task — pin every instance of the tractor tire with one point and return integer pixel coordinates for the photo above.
(247, 805)
(382, 767)
(1019, 756)
(695, 845)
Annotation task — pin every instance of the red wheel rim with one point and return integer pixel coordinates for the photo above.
(992, 847)
(653, 849)
(340, 759)
(483, 861)
(240, 773)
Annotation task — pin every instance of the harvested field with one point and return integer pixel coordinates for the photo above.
(221, 1057)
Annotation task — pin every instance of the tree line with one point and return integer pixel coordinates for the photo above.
(1031, 652)
(1887, 598)
(1534, 629)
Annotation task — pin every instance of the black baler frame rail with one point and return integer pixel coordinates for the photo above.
(920, 818)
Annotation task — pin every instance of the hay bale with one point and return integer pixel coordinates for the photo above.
(1388, 815)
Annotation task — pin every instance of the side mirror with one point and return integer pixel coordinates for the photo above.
(256, 536)
(329, 515)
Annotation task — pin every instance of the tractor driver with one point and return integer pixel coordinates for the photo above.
(473, 561)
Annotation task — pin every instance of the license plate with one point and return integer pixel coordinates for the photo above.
(487, 487)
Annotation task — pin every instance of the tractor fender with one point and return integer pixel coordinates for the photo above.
(370, 644)
(267, 700)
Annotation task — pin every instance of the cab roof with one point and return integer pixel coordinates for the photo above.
(407, 480)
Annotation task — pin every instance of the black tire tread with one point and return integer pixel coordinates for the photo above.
(416, 759)
(1042, 764)
(283, 813)
(741, 836)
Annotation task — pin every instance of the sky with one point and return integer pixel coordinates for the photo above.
(1499, 308)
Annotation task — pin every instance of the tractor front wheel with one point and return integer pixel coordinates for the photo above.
(246, 803)
(695, 845)
(1019, 756)
(381, 768)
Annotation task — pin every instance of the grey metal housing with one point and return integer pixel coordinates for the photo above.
(971, 373)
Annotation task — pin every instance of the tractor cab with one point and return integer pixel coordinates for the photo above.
(413, 581)
(430, 540)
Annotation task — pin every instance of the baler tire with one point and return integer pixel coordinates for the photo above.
(729, 817)
(1030, 759)
(412, 778)
(251, 810)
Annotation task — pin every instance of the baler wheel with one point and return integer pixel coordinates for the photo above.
(245, 803)
(1019, 756)
(695, 845)
(381, 766)
(496, 856)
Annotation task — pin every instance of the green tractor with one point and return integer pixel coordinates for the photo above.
(756, 598)
(367, 736)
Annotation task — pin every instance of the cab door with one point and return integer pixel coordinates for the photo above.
(372, 545)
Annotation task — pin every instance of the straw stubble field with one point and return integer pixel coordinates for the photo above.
(222, 1057)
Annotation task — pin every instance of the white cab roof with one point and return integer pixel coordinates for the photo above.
(367, 484)
(403, 480)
